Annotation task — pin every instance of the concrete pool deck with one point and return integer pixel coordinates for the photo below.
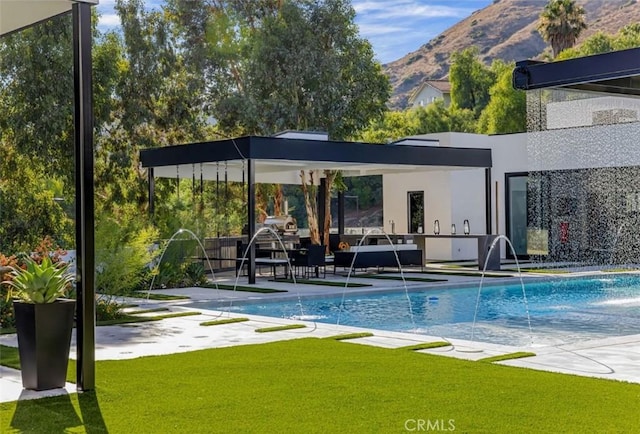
(615, 358)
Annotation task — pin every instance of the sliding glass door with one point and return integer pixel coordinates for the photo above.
(516, 213)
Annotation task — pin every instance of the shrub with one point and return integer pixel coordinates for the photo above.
(194, 274)
(108, 309)
(123, 257)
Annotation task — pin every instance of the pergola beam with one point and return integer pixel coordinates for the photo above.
(614, 72)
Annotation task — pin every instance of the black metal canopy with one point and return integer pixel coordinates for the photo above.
(255, 159)
(281, 159)
(617, 72)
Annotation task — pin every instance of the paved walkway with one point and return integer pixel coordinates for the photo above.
(616, 358)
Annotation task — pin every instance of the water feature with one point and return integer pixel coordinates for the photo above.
(562, 311)
(582, 196)
(252, 241)
(614, 245)
(484, 270)
(395, 253)
(164, 250)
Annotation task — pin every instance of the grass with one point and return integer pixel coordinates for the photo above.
(9, 356)
(320, 385)
(510, 356)
(407, 278)
(165, 297)
(324, 283)
(466, 273)
(280, 328)
(242, 288)
(425, 346)
(347, 336)
(132, 318)
(223, 321)
(538, 270)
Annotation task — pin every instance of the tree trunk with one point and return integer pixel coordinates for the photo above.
(262, 198)
(278, 200)
(310, 190)
(330, 177)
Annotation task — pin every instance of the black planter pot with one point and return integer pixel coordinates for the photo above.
(44, 337)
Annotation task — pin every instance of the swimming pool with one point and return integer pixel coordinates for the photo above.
(561, 311)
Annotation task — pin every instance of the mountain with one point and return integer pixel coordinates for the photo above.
(506, 30)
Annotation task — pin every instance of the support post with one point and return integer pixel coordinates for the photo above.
(85, 242)
(321, 213)
(152, 190)
(341, 213)
(487, 195)
(251, 217)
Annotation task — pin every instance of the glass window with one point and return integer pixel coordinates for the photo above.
(416, 212)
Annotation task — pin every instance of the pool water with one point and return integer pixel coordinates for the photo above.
(561, 311)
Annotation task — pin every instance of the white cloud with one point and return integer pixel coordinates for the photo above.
(384, 10)
(109, 20)
(397, 27)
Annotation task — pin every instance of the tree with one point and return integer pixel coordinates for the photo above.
(507, 108)
(36, 124)
(560, 24)
(627, 37)
(470, 81)
(437, 118)
(299, 65)
(28, 211)
(392, 126)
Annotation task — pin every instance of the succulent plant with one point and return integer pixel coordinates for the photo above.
(40, 283)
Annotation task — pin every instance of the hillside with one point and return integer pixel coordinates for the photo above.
(506, 30)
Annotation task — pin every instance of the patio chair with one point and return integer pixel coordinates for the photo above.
(310, 260)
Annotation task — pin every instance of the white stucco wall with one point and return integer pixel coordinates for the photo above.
(451, 196)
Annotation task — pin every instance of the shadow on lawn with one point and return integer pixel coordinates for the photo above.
(58, 414)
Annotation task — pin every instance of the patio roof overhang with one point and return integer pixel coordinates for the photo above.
(19, 14)
(617, 72)
(16, 15)
(279, 160)
(255, 159)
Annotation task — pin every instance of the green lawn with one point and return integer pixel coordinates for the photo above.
(322, 386)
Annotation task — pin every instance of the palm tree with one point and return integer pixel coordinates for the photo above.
(560, 24)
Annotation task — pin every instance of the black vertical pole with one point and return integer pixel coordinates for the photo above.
(341, 213)
(487, 195)
(321, 213)
(85, 242)
(152, 191)
(251, 216)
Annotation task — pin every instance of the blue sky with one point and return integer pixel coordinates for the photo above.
(394, 27)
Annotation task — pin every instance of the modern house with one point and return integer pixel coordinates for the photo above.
(567, 191)
(429, 92)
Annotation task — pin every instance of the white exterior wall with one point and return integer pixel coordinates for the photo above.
(451, 196)
(467, 191)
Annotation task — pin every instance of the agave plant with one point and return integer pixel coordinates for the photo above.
(40, 283)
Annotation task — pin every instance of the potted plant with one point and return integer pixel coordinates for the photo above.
(44, 321)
